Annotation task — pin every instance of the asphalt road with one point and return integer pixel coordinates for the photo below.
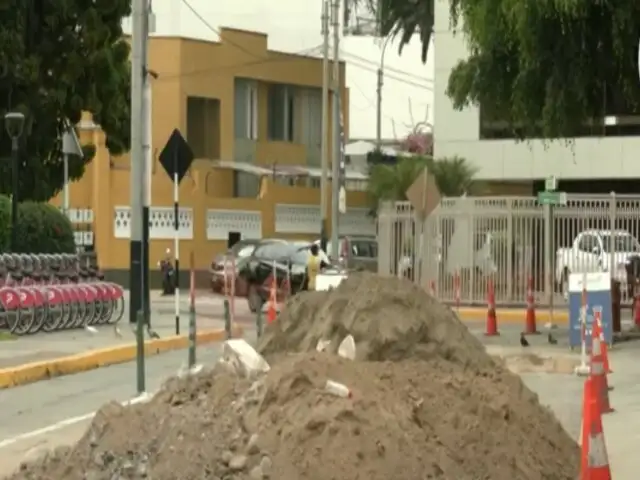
(38, 405)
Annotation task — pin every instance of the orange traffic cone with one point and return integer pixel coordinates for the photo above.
(597, 318)
(594, 461)
(432, 288)
(272, 313)
(492, 320)
(530, 317)
(597, 371)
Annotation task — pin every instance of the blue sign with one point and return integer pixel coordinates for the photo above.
(598, 299)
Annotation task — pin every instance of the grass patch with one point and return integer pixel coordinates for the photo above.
(7, 336)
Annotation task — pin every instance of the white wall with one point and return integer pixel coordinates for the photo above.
(294, 26)
(457, 133)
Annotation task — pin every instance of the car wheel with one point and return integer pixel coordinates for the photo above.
(253, 298)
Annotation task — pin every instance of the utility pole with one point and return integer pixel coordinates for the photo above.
(146, 187)
(380, 83)
(335, 166)
(148, 166)
(379, 107)
(324, 150)
(138, 81)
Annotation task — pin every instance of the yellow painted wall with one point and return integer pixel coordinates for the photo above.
(197, 68)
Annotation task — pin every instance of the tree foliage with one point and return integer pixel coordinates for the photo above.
(453, 176)
(404, 19)
(59, 58)
(41, 228)
(547, 67)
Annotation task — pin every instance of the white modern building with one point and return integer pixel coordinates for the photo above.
(458, 133)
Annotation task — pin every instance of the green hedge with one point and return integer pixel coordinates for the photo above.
(42, 228)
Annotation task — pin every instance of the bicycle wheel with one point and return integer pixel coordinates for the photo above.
(10, 319)
(26, 320)
(39, 317)
(118, 311)
(54, 318)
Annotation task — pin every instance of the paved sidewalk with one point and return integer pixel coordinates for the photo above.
(48, 346)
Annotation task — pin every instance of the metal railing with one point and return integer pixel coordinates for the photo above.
(515, 242)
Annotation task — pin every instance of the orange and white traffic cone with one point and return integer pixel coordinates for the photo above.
(432, 288)
(272, 313)
(597, 371)
(492, 319)
(597, 318)
(594, 461)
(530, 327)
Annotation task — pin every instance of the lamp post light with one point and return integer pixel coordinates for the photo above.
(14, 124)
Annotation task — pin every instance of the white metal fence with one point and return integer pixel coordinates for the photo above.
(513, 241)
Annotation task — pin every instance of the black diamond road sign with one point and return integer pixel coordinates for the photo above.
(176, 156)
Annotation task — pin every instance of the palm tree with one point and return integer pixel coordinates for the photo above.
(403, 18)
(454, 177)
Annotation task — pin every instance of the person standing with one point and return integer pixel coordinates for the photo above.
(314, 265)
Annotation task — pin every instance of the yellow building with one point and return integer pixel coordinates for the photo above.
(252, 118)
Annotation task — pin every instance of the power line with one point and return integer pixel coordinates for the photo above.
(308, 53)
(387, 68)
(216, 31)
(393, 77)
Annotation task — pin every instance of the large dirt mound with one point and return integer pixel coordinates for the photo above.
(406, 420)
(390, 319)
(428, 403)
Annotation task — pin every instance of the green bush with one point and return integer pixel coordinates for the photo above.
(5, 223)
(41, 228)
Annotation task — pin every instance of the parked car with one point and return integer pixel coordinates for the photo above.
(288, 259)
(592, 251)
(222, 265)
(355, 252)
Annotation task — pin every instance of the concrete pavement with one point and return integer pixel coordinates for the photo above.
(563, 392)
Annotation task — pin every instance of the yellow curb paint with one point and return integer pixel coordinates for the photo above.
(513, 315)
(33, 372)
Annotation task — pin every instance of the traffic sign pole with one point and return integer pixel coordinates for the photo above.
(176, 240)
(176, 158)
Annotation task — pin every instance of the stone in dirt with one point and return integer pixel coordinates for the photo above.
(428, 402)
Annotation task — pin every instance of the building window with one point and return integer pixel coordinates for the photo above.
(355, 185)
(203, 127)
(245, 185)
(246, 109)
(281, 111)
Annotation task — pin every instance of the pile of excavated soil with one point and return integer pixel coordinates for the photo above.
(427, 403)
(390, 319)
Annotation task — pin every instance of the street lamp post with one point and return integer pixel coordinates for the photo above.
(14, 124)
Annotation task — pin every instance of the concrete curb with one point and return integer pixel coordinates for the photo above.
(93, 359)
(513, 315)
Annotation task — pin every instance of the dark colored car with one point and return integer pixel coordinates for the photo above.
(288, 260)
(223, 264)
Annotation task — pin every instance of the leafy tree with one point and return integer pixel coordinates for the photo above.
(454, 177)
(403, 19)
(547, 68)
(550, 69)
(59, 58)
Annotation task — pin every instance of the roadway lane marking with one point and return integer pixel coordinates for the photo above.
(67, 422)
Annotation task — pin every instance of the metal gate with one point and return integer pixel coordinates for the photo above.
(514, 242)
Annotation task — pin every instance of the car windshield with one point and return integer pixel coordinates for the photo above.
(621, 243)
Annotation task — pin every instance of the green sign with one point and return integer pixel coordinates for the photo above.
(552, 198)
